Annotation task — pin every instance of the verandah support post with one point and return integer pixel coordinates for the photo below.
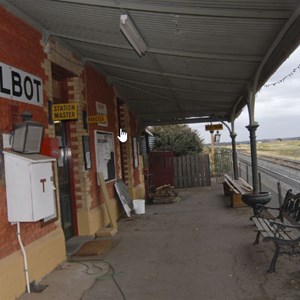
(233, 142)
(234, 156)
(233, 147)
(212, 138)
(252, 130)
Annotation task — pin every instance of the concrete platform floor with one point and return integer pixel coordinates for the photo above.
(198, 248)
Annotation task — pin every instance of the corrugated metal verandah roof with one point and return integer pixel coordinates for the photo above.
(201, 56)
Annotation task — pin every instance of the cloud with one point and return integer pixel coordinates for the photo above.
(277, 108)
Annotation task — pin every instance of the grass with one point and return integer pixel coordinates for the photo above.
(285, 148)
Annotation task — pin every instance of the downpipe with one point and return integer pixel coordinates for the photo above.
(24, 257)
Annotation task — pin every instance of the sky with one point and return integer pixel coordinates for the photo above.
(277, 108)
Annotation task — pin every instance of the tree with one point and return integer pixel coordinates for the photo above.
(181, 139)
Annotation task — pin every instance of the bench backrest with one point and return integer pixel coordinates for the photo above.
(291, 207)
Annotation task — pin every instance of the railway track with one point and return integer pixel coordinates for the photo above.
(290, 163)
(276, 175)
(293, 164)
(282, 169)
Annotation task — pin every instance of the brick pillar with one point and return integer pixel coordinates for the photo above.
(81, 179)
(46, 65)
(117, 148)
(127, 154)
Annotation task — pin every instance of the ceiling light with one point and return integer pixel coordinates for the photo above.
(132, 35)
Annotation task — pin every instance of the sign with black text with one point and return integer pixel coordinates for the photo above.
(213, 127)
(18, 85)
(100, 119)
(66, 111)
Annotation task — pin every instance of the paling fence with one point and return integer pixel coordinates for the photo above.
(191, 171)
(181, 171)
(196, 170)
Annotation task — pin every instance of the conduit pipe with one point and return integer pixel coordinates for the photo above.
(24, 257)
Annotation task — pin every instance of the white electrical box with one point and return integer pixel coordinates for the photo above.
(30, 189)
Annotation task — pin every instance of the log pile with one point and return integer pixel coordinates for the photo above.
(165, 194)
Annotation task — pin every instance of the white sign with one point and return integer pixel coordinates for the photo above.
(20, 86)
(102, 110)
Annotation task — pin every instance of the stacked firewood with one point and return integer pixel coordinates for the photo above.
(165, 194)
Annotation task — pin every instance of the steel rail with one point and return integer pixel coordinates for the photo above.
(275, 174)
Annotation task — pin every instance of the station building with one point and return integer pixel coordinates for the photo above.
(162, 65)
(82, 118)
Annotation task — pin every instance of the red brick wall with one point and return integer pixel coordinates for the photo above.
(98, 90)
(20, 48)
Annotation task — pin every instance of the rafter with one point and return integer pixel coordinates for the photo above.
(166, 74)
(157, 86)
(189, 8)
(169, 52)
(204, 119)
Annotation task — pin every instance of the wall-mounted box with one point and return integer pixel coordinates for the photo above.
(30, 190)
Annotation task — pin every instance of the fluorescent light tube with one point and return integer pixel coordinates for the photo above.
(132, 35)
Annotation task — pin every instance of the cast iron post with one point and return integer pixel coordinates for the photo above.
(252, 129)
(212, 152)
(234, 156)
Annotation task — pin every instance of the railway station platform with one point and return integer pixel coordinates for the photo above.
(197, 248)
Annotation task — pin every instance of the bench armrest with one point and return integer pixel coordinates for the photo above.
(283, 226)
(260, 206)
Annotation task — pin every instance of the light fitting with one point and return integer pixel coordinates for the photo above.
(132, 35)
(217, 137)
(27, 137)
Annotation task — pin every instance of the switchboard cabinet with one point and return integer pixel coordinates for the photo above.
(30, 190)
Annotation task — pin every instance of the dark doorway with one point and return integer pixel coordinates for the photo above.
(64, 179)
(65, 175)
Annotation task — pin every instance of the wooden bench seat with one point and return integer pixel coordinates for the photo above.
(235, 189)
(283, 229)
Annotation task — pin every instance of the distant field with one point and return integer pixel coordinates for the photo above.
(285, 148)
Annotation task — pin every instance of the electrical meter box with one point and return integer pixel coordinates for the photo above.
(30, 190)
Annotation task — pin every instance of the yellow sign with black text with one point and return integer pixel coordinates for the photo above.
(66, 111)
(102, 119)
(213, 127)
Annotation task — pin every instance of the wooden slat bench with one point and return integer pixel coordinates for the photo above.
(283, 229)
(235, 189)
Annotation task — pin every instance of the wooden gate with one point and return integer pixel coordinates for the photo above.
(161, 166)
(191, 171)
